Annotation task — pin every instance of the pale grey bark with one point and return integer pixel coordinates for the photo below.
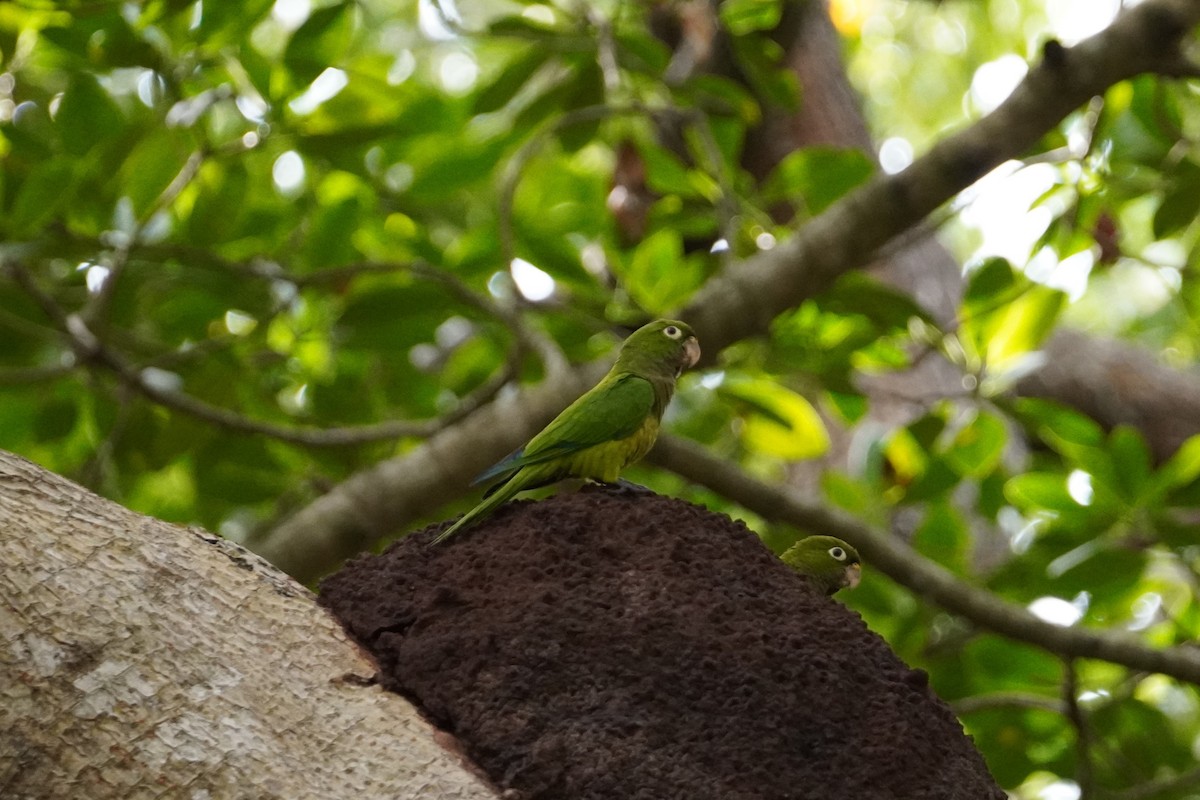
(140, 659)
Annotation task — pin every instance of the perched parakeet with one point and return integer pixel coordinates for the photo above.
(614, 424)
(828, 561)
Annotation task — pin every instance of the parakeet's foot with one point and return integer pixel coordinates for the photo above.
(623, 486)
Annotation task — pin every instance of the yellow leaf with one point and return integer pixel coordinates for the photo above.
(777, 421)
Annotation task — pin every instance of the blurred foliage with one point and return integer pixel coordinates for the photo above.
(318, 217)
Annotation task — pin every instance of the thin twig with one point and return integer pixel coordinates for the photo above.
(1007, 700)
(1085, 773)
(25, 375)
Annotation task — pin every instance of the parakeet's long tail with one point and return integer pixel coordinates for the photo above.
(502, 494)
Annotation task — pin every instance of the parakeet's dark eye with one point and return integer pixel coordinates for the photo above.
(672, 331)
(838, 553)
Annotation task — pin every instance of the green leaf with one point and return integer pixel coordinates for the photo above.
(319, 43)
(665, 173)
(1181, 468)
(989, 286)
(586, 90)
(1034, 491)
(1147, 735)
(1070, 433)
(658, 276)
(943, 536)
(524, 28)
(511, 80)
(55, 419)
(393, 317)
(87, 115)
(1131, 456)
(151, 167)
(224, 22)
(219, 205)
(741, 17)
(856, 293)
(1181, 203)
(761, 59)
(47, 190)
(1110, 575)
(933, 482)
(1022, 327)
(820, 175)
(977, 447)
(778, 421)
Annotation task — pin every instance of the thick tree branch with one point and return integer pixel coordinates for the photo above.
(1161, 402)
(140, 659)
(745, 298)
(924, 578)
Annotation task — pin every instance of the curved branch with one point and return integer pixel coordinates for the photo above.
(744, 299)
(918, 574)
(1161, 402)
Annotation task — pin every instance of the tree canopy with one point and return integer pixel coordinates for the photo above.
(296, 271)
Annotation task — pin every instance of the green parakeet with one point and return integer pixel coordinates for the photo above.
(612, 425)
(828, 561)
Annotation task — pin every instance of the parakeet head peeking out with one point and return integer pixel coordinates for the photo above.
(829, 562)
(663, 344)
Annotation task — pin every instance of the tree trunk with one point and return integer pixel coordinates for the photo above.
(143, 659)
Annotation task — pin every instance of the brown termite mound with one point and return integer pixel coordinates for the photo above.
(603, 644)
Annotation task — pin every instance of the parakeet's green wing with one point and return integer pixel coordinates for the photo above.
(610, 411)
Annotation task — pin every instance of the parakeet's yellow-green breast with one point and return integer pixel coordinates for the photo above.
(829, 562)
(614, 424)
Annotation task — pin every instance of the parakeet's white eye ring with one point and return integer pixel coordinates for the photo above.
(838, 553)
(672, 332)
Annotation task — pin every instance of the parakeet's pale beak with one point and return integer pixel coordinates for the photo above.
(852, 575)
(691, 352)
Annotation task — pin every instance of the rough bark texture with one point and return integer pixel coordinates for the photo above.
(608, 645)
(142, 659)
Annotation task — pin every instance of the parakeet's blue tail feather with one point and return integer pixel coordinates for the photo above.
(499, 468)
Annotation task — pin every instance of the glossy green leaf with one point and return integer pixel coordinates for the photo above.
(501, 90)
(977, 447)
(152, 166)
(659, 276)
(87, 115)
(45, 192)
(819, 175)
(1183, 467)
(943, 537)
(319, 43)
(1131, 456)
(856, 293)
(1034, 491)
(777, 421)
(746, 16)
(989, 286)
